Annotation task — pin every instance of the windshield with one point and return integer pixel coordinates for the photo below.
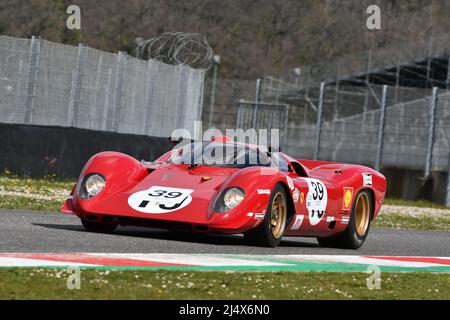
(220, 155)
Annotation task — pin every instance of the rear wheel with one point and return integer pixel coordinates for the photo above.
(356, 233)
(98, 226)
(271, 230)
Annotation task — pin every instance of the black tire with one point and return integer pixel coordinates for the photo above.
(263, 235)
(98, 227)
(350, 238)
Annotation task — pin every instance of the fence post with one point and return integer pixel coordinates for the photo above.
(75, 90)
(319, 121)
(447, 198)
(367, 82)
(149, 92)
(447, 82)
(32, 78)
(381, 129)
(434, 102)
(121, 60)
(257, 100)
(213, 94)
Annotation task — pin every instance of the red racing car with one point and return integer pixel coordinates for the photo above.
(253, 191)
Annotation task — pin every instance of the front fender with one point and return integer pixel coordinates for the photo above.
(257, 183)
(120, 171)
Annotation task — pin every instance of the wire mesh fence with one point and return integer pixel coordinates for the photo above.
(45, 83)
(358, 124)
(426, 49)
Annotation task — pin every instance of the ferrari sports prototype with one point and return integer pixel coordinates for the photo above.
(251, 190)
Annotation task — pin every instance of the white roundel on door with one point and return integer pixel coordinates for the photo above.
(316, 200)
(157, 200)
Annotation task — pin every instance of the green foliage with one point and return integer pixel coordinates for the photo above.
(254, 37)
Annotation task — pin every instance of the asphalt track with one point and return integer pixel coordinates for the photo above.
(28, 232)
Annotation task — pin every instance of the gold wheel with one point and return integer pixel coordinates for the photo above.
(278, 215)
(362, 214)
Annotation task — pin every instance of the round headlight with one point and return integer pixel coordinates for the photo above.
(233, 197)
(94, 185)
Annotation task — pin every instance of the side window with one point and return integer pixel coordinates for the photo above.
(298, 169)
(279, 162)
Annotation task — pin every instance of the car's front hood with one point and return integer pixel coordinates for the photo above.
(170, 192)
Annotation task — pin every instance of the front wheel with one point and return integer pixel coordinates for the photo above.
(98, 227)
(358, 228)
(271, 230)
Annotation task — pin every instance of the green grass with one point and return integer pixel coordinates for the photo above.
(25, 203)
(44, 186)
(46, 194)
(417, 203)
(404, 222)
(101, 284)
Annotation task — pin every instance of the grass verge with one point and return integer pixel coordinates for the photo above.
(32, 283)
(401, 221)
(409, 203)
(45, 194)
(26, 203)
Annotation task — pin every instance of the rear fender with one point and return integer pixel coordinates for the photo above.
(352, 176)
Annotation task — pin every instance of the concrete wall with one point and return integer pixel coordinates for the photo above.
(410, 185)
(38, 151)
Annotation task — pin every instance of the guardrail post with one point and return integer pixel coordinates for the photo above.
(381, 129)
(433, 106)
(32, 78)
(319, 121)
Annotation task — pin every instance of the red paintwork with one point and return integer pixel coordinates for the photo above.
(126, 176)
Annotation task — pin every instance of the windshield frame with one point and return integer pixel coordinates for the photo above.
(195, 158)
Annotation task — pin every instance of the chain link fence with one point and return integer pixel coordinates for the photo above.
(51, 84)
(379, 126)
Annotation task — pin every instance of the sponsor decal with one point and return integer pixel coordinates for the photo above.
(330, 219)
(290, 183)
(316, 200)
(250, 214)
(345, 220)
(367, 179)
(296, 195)
(263, 191)
(298, 222)
(158, 200)
(347, 200)
(260, 216)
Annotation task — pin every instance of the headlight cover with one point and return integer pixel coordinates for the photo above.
(92, 185)
(229, 199)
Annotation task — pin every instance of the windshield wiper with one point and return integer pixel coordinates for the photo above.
(193, 165)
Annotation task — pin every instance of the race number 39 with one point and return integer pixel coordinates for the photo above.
(316, 200)
(159, 200)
